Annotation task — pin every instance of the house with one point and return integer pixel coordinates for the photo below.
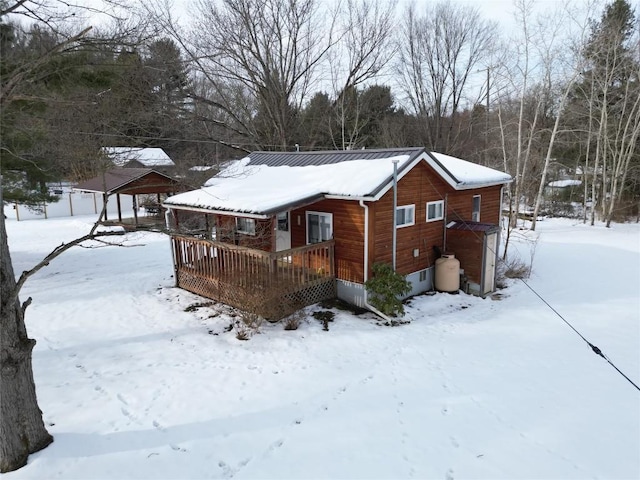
(284, 229)
(135, 157)
(562, 188)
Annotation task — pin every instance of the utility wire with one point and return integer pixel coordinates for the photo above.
(593, 347)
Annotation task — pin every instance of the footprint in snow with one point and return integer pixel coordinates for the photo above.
(277, 444)
(158, 426)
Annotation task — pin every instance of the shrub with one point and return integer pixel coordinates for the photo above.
(292, 322)
(325, 316)
(513, 267)
(242, 334)
(386, 287)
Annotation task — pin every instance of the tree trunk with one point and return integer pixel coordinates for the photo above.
(22, 429)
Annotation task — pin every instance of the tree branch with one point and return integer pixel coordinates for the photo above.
(56, 252)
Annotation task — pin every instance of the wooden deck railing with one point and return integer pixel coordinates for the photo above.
(246, 277)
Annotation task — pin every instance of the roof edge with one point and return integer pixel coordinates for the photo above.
(385, 186)
(456, 184)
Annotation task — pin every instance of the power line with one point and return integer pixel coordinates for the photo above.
(593, 347)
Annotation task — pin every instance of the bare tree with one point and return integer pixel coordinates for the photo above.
(615, 59)
(363, 50)
(563, 63)
(265, 53)
(605, 109)
(520, 106)
(439, 49)
(22, 430)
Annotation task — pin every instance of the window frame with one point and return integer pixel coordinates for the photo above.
(245, 231)
(282, 220)
(475, 214)
(308, 213)
(435, 219)
(412, 206)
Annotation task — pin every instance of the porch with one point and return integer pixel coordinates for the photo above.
(271, 284)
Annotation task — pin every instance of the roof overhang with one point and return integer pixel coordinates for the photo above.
(454, 182)
(123, 181)
(387, 185)
(469, 226)
(268, 213)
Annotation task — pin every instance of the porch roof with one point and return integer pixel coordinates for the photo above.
(469, 226)
(265, 183)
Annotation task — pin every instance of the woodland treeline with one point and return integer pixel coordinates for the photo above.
(556, 96)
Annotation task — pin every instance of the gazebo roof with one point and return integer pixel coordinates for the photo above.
(129, 181)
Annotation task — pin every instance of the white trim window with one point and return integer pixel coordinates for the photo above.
(247, 226)
(435, 210)
(319, 227)
(405, 216)
(475, 211)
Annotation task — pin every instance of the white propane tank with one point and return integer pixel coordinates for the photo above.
(447, 273)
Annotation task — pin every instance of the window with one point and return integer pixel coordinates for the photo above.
(319, 227)
(475, 212)
(246, 226)
(435, 211)
(283, 221)
(405, 216)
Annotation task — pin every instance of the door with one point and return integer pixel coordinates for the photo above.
(490, 252)
(283, 232)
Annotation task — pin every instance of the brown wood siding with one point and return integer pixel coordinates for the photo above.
(150, 183)
(460, 204)
(348, 233)
(467, 246)
(262, 240)
(419, 186)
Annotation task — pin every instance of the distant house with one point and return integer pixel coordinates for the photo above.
(566, 183)
(285, 229)
(134, 157)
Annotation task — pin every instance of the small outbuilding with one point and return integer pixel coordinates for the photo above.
(139, 157)
(134, 182)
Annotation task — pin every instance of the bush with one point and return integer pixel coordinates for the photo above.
(324, 316)
(292, 322)
(513, 267)
(386, 287)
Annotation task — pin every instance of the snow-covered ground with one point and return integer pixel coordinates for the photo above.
(132, 385)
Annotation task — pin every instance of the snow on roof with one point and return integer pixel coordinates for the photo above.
(463, 175)
(148, 157)
(266, 187)
(564, 183)
(201, 168)
(260, 189)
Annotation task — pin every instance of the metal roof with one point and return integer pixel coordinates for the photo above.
(470, 226)
(117, 180)
(303, 159)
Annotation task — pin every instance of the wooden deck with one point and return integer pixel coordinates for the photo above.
(272, 284)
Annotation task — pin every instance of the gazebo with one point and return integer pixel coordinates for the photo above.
(131, 181)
